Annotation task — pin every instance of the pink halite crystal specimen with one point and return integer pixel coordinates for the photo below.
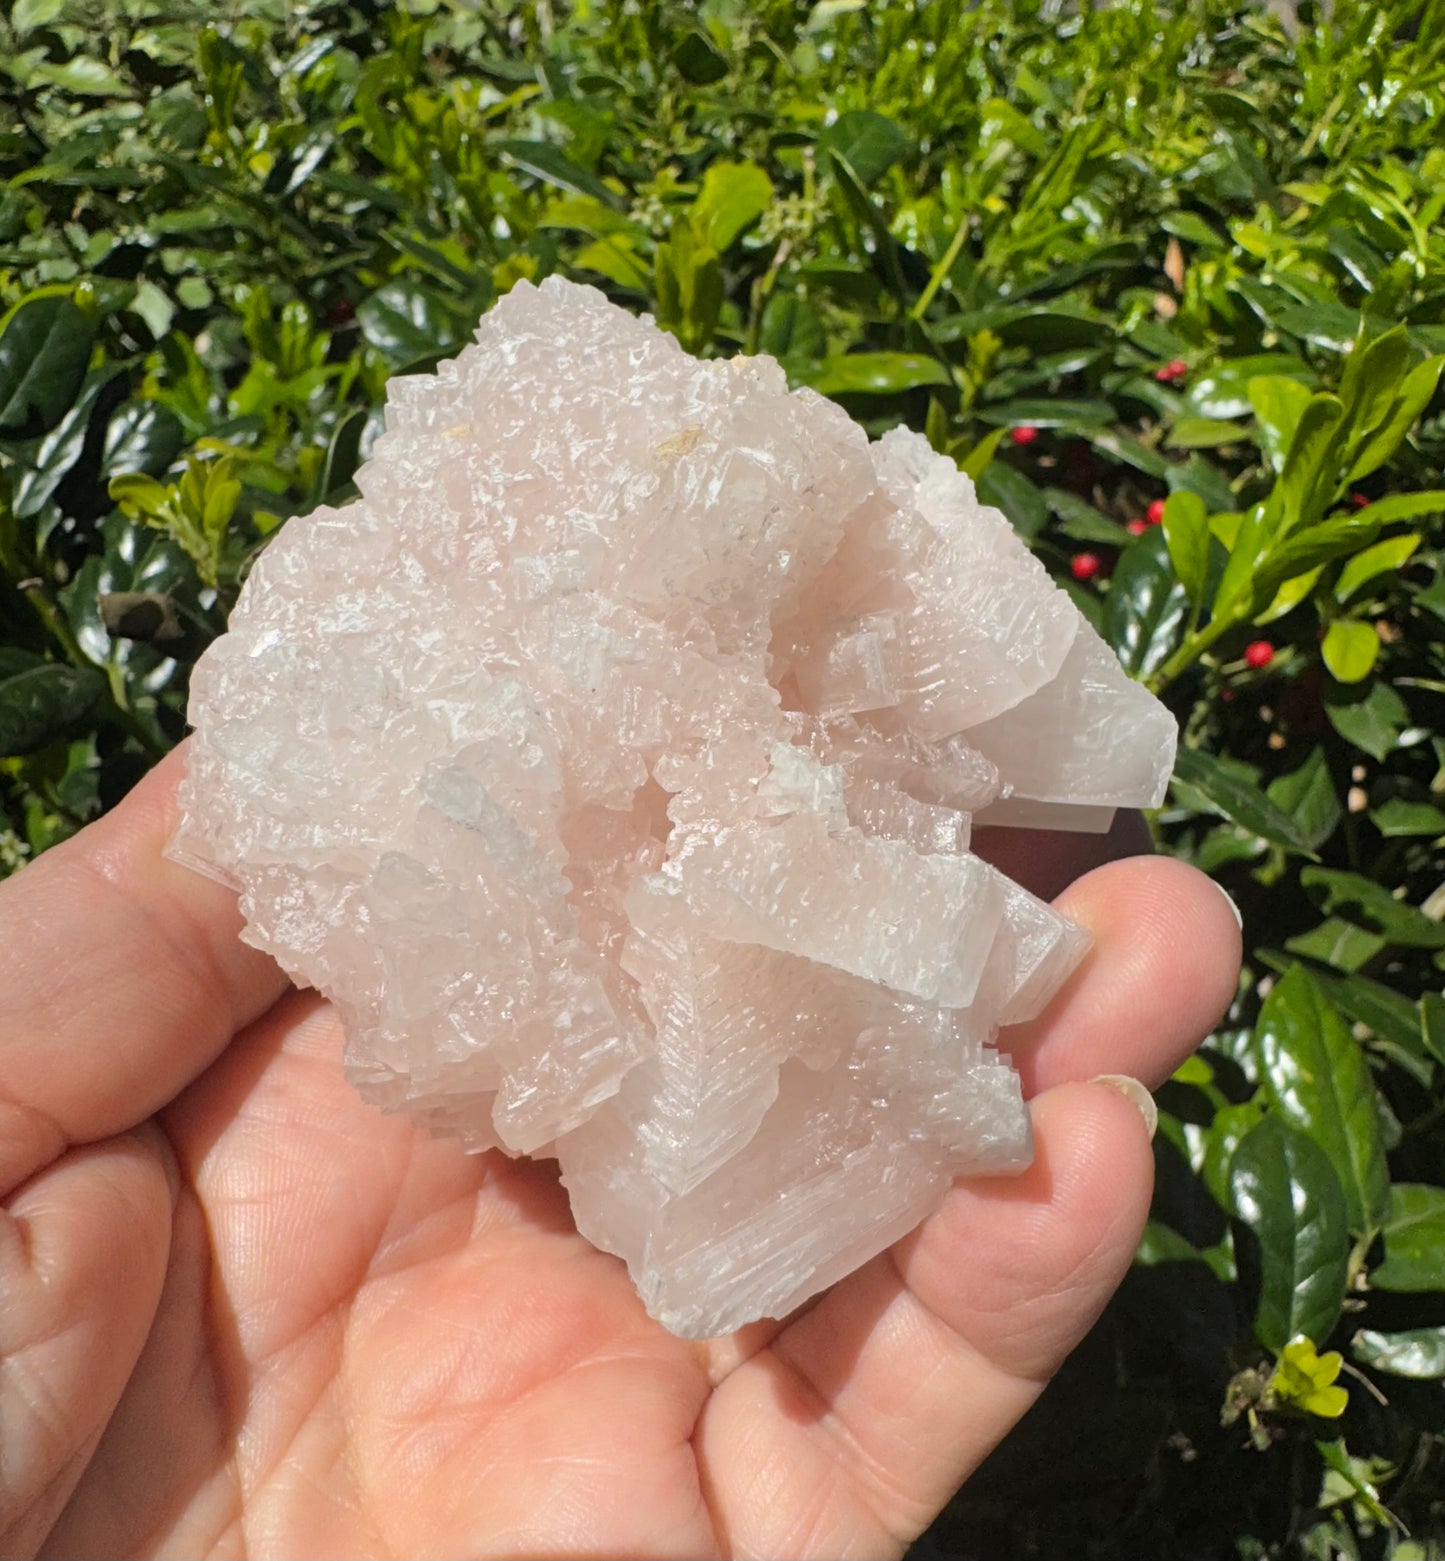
(610, 764)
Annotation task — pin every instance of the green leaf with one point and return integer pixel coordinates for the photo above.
(44, 349)
(1079, 520)
(1223, 390)
(29, 14)
(143, 436)
(1401, 506)
(1285, 1191)
(1413, 396)
(877, 373)
(1317, 1080)
(976, 462)
(1400, 817)
(1237, 799)
(1007, 489)
(1337, 942)
(791, 328)
(1226, 1132)
(343, 455)
(1146, 607)
(83, 75)
(1432, 1025)
(614, 258)
(1310, 474)
(1368, 386)
(733, 195)
(409, 322)
(1383, 558)
(1403, 924)
(551, 165)
(1239, 583)
(1350, 650)
(1380, 1008)
(1049, 412)
(870, 142)
(698, 59)
(1308, 796)
(1370, 716)
(43, 703)
(1414, 1235)
(1202, 433)
(1279, 403)
(1414, 1352)
(1186, 534)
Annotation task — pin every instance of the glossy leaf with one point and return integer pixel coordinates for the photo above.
(1146, 607)
(1383, 558)
(42, 703)
(1414, 1235)
(1310, 473)
(1222, 391)
(1186, 533)
(877, 374)
(143, 436)
(44, 349)
(1418, 1353)
(1350, 650)
(409, 322)
(1278, 403)
(1285, 1192)
(1239, 800)
(1317, 1080)
(1413, 396)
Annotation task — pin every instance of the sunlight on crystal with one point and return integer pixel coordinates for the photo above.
(611, 765)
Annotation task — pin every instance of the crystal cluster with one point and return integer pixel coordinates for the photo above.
(611, 763)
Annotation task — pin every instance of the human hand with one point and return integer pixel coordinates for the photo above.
(244, 1314)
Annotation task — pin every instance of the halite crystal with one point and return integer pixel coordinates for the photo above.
(611, 764)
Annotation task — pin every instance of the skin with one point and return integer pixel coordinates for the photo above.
(243, 1314)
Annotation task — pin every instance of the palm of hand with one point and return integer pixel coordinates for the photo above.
(353, 1339)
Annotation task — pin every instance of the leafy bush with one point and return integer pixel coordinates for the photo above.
(1129, 266)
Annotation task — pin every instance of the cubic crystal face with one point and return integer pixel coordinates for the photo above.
(610, 764)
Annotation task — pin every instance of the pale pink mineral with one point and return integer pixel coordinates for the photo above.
(610, 764)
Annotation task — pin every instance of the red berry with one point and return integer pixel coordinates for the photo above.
(1359, 500)
(1025, 433)
(1085, 565)
(1155, 513)
(1136, 528)
(1174, 370)
(1258, 653)
(1226, 696)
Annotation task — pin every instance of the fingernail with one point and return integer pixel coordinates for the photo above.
(1135, 1093)
(1229, 901)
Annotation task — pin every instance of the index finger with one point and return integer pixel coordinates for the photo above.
(122, 977)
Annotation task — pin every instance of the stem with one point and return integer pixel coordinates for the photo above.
(1194, 646)
(941, 270)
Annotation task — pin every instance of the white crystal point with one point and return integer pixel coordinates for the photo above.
(611, 765)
